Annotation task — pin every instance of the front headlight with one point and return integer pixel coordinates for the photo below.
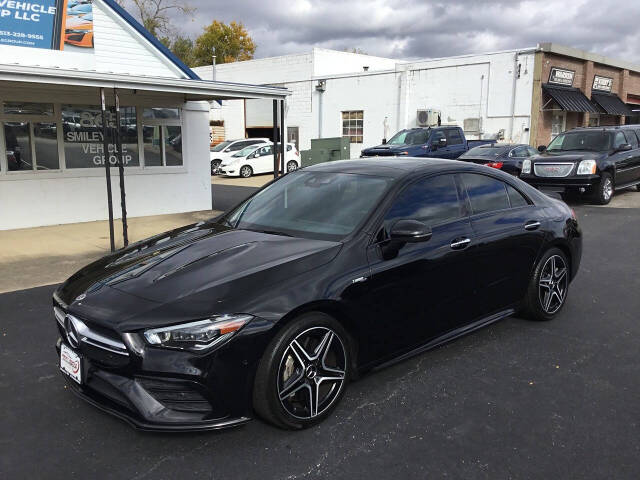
(197, 336)
(526, 166)
(587, 167)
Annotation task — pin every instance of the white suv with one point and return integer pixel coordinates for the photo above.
(225, 149)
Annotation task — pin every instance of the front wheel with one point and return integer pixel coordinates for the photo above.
(604, 191)
(215, 164)
(548, 287)
(303, 372)
(246, 171)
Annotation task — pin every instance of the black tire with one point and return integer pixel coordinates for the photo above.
(283, 383)
(246, 171)
(292, 166)
(214, 166)
(534, 302)
(638, 187)
(603, 192)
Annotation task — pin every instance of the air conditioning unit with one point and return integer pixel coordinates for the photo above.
(428, 118)
(471, 125)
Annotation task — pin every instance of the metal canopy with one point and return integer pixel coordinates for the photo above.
(570, 99)
(610, 103)
(188, 88)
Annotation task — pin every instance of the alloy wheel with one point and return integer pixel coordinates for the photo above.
(292, 166)
(553, 284)
(312, 372)
(246, 172)
(607, 189)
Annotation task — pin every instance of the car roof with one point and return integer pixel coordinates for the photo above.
(394, 167)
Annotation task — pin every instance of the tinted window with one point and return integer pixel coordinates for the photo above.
(516, 198)
(432, 200)
(631, 138)
(486, 151)
(237, 146)
(485, 193)
(619, 139)
(453, 136)
(436, 137)
(520, 152)
(593, 140)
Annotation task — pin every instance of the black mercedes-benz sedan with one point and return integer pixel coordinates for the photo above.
(320, 276)
(507, 157)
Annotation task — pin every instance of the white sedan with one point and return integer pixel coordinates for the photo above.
(257, 159)
(225, 149)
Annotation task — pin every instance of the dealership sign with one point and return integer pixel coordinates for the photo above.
(560, 76)
(603, 84)
(47, 24)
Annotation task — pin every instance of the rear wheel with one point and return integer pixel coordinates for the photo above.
(548, 286)
(303, 373)
(604, 191)
(246, 171)
(292, 166)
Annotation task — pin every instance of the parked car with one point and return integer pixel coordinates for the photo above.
(437, 142)
(507, 157)
(594, 161)
(257, 159)
(225, 149)
(320, 276)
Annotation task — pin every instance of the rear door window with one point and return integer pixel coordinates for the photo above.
(486, 194)
(433, 201)
(515, 198)
(453, 136)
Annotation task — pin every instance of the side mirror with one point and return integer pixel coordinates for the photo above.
(384, 141)
(625, 147)
(409, 231)
(227, 150)
(542, 148)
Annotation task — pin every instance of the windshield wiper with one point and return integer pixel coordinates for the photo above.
(271, 232)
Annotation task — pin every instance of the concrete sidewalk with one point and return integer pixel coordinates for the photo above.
(32, 257)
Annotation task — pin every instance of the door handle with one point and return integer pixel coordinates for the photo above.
(532, 225)
(460, 243)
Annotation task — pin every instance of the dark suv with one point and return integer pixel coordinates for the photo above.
(596, 161)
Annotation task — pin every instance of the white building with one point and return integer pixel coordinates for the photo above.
(51, 77)
(338, 93)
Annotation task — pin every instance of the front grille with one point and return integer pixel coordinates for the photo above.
(381, 153)
(553, 169)
(176, 395)
(79, 334)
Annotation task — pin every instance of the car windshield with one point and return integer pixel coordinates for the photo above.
(483, 151)
(410, 137)
(317, 205)
(245, 151)
(221, 146)
(596, 141)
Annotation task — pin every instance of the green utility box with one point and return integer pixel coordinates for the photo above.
(326, 150)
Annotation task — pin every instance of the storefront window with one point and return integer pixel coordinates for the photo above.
(162, 137)
(18, 144)
(45, 137)
(152, 146)
(83, 142)
(28, 108)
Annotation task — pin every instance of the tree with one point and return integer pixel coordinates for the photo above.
(231, 41)
(155, 14)
(182, 47)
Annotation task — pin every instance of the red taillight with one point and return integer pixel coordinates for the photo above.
(573, 214)
(495, 164)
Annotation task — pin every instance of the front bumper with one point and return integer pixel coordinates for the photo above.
(229, 172)
(150, 403)
(572, 181)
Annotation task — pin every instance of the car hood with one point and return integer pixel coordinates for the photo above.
(569, 156)
(191, 272)
(387, 147)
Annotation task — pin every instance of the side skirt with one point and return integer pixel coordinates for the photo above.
(447, 337)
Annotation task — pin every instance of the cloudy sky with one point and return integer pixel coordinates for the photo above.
(422, 28)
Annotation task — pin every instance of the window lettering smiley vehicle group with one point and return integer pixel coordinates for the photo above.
(330, 271)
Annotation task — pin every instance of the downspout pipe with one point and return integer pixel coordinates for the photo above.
(513, 95)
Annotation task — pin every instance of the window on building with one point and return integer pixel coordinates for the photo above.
(30, 136)
(83, 142)
(352, 125)
(162, 137)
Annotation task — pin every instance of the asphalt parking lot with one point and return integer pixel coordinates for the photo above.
(514, 400)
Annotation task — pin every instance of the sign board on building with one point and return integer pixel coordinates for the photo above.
(558, 76)
(603, 84)
(48, 24)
